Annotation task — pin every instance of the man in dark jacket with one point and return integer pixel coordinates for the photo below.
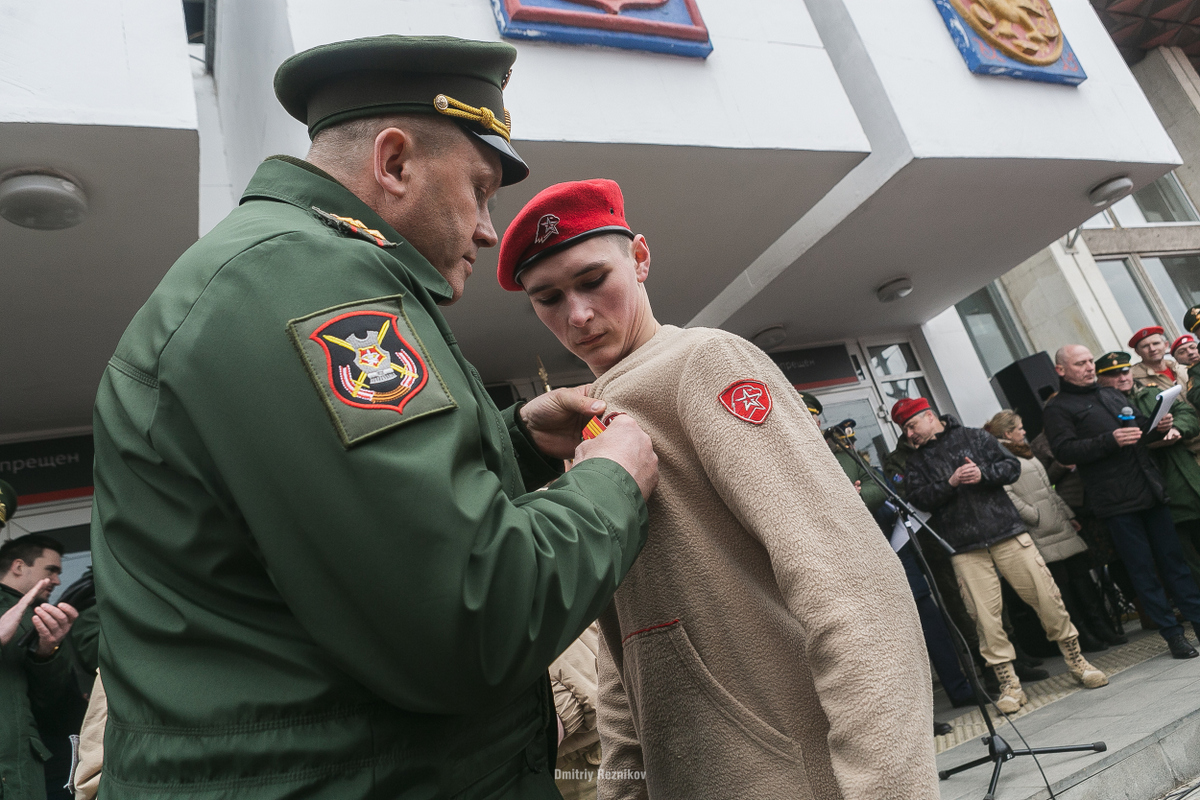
(958, 475)
(1097, 429)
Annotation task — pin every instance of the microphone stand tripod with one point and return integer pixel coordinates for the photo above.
(999, 751)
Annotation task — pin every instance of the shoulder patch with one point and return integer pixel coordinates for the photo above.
(369, 367)
(747, 400)
(353, 227)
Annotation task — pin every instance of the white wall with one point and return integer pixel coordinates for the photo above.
(253, 39)
(768, 84)
(960, 369)
(121, 62)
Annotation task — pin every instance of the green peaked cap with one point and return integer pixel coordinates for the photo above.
(392, 74)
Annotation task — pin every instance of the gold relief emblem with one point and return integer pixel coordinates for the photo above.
(1025, 30)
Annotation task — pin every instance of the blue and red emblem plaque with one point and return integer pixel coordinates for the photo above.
(661, 26)
(1017, 38)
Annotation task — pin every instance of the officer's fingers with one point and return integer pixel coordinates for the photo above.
(69, 610)
(42, 629)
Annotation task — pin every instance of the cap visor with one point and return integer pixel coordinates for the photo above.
(514, 169)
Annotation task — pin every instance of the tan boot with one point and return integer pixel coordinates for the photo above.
(1012, 696)
(1079, 667)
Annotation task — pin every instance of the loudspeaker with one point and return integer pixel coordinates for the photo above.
(1027, 384)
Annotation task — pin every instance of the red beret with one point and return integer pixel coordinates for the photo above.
(556, 218)
(906, 409)
(1182, 340)
(1143, 333)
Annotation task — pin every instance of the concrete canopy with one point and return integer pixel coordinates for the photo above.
(102, 93)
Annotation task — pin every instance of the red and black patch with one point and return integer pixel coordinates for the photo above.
(747, 400)
(370, 365)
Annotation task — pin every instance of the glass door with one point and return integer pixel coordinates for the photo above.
(858, 404)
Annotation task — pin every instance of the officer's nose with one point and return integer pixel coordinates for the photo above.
(485, 233)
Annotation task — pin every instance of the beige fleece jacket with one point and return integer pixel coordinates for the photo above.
(765, 643)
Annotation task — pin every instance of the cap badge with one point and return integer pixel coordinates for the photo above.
(747, 400)
(547, 227)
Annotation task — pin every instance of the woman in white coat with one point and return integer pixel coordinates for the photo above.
(1053, 528)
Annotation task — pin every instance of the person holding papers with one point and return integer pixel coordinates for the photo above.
(1094, 424)
(1181, 473)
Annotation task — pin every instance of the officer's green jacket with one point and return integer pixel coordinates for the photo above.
(28, 686)
(1178, 466)
(308, 588)
(872, 496)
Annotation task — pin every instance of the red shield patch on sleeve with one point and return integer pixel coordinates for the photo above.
(748, 400)
(369, 363)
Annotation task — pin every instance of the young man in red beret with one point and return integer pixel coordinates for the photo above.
(1156, 369)
(958, 475)
(765, 643)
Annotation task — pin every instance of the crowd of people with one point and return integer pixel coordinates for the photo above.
(334, 569)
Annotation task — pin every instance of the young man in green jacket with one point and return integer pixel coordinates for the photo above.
(322, 568)
(32, 683)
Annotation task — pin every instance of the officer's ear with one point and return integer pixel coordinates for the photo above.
(393, 159)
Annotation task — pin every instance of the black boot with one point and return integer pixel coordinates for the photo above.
(1088, 641)
(1180, 647)
(1027, 672)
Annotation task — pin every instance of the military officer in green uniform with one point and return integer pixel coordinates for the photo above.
(322, 569)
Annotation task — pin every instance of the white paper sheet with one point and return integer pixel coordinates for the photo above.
(1165, 399)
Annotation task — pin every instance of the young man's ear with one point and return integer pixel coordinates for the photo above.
(641, 257)
(393, 160)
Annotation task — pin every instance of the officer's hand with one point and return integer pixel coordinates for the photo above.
(1127, 436)
(11, 619)
(53, 623)
(555, 420)
(1165, 423)
(627, 444)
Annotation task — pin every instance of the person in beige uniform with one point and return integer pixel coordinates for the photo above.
(1156, 369)
(765, 643)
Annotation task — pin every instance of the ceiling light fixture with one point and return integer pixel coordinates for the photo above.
(1110, 191)
(769, 337)
(894, 290)
(43, 201)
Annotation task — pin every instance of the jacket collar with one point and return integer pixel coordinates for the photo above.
(950, 424)
(1072, 388)
(304, 185)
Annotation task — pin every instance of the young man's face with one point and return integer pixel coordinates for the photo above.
(1187, 353)
(1152, 348)
(23, 577)
(591, 297)
(923, 427)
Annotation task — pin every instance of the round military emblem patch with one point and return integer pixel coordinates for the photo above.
(747, 400)
(370, 364)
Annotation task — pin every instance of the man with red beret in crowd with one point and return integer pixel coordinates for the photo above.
(765, 643)
(958, 474)
(1156, 369)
